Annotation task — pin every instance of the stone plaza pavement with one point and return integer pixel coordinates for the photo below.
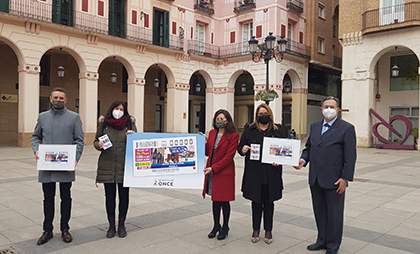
(382, 213)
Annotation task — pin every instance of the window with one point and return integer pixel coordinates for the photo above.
(100, 8)
(391, 11)
(146, 20)
(246, 36)
(301, 37)
(321, 45)
(85, 5)
(161, 28)
(283, 30)
(259, 32)
(232, 37)
(321, 10)
(200, 38)
(134, 17)
(333, 31)
(173, 27)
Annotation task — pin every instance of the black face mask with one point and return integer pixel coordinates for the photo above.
(220, 124)
(264, 119)
(57, 105)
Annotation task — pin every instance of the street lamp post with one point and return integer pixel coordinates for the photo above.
(268, 50)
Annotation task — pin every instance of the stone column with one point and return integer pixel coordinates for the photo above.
(28, 106)
(358, 97)
(300, 112)
(177, 108)
(88, 104)
(135, 100)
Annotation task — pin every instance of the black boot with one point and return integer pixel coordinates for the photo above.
(223, 232)
(111, 231)
(121, 227)
(214, 231)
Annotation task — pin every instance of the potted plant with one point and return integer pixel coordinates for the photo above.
(264, 95)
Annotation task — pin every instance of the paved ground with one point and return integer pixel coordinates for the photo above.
(382, 212)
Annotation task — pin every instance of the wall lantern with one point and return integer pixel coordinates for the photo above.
(243, 88)
(60, 71)
(156, 83)
(198, 88)
(113, 78)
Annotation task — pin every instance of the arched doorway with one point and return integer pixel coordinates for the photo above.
(9, 89)
(58, 69)
(155, 99)
(112, 84)
(197, 104)
(287, 101)
(244, 100)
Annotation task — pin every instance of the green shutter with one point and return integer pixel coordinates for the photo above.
(166, 29)
(56, 11)
(4, 6)
(155, 28)
(70, 13)
(111, 18)
(122, 25)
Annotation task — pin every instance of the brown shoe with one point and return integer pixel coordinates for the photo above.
(44, 238)
(65, 234)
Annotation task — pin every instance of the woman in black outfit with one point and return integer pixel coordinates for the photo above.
(261, 183)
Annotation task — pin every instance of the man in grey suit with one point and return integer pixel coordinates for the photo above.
(57, 126)
(331, 151)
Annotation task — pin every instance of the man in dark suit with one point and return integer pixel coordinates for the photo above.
(331, 151)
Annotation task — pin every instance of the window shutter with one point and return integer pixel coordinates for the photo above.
(166, 29)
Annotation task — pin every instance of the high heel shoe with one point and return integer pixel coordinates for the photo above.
(255, 236)
(268, 237)
(214, 231)
(223, 233)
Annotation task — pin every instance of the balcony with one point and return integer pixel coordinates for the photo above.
(42, 11)
(392, 17)
(337, 62)
(240, 49)
(205, 6)
(243, 5)
(295, 5)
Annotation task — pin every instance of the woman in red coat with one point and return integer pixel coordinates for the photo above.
(220, 170)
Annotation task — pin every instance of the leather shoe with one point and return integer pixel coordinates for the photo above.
(316, 246)
(331, 252)
(44, 238)
(65, 234)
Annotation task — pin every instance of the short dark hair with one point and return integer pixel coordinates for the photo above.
(59, 89)
(331, 98)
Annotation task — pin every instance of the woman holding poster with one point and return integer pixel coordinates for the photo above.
(111, 141)
(261, 183)
(219, 182)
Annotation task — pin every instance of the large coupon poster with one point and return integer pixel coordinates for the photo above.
(56, 157)
(281, 151)
(164, 160)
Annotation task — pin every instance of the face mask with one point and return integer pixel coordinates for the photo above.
(329, 113)
(220, 124)
(117, 114)
(264, 119)
(57, 104)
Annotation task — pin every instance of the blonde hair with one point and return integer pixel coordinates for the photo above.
(271, 124)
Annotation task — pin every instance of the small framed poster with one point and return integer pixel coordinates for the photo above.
(56, 157)
(281, 151)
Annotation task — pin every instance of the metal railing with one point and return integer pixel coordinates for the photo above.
(31, 9)
(295, 5)
(391, 15)
(205, 6)
(243, 5)
(337, 62)
(240, 49)
(88, 22)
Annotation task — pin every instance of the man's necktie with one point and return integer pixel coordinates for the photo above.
(327, 127)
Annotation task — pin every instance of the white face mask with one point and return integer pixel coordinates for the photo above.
(329, 113)
(117, 114)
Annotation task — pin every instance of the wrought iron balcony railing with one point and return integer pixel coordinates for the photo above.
(42, 11)
(390, 16)
(295, 5)
(205, 6)
(243, 5)
(240, 49)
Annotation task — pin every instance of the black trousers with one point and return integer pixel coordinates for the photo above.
(110, 194)
(264, 207)
(49, 205)
(328, 208)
